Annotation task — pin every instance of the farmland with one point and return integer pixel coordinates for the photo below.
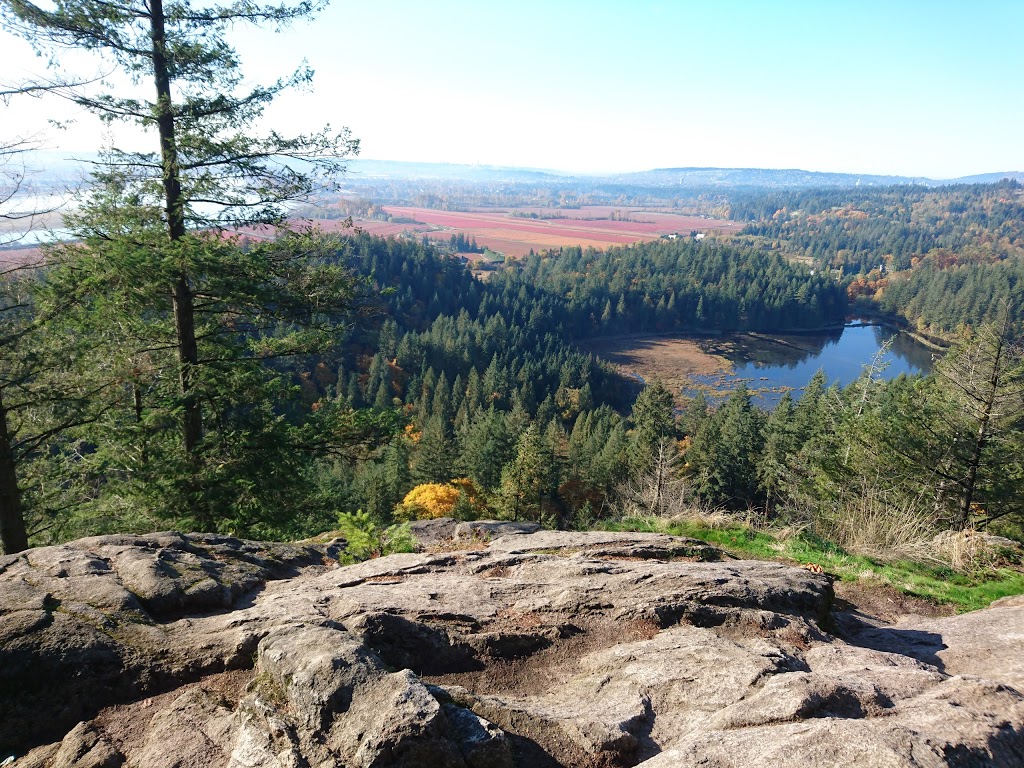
(516, 231)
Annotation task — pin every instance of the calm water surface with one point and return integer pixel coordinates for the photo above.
(772, 365)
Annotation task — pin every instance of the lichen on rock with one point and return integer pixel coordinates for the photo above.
(530, 648)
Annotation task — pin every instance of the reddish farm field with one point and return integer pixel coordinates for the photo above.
(512, 235)
(598, 226)
(383, 228)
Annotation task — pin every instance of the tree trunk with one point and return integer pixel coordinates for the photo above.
(181, 295)
(13, 535)
(188, 358)
(981, 435)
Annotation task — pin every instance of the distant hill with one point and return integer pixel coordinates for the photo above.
(396, 169)
(758, 177)
(790, 178)
(988, 178)
(54, 169)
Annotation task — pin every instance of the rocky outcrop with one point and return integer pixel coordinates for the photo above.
(501, 646)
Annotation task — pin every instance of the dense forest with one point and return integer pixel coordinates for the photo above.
(942, 258)
(897, 247)
(445, 394)
(159, 370)
(673, 285)
(890, 227)
(502, 411)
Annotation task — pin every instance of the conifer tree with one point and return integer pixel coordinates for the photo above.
(487, 448)
(208, 170)
(780, 445)
(956, 436)
(653, 420)
(724, 452)
(526, 480)
(436, 452)
(43, 394)
(982, 383)
(195, 309)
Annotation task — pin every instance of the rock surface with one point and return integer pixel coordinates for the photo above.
(502, 646)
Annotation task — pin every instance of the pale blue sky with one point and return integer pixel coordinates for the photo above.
(911, 88)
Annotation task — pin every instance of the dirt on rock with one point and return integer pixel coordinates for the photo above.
(125, 725)
(532, 648)
(881, 604)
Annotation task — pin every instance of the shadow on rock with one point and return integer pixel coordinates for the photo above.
(920, 645)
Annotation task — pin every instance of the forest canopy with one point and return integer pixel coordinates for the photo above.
(173, 366)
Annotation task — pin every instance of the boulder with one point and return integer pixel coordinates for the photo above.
(535, 648)
(85, 624)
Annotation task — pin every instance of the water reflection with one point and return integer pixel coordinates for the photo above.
(773, 364)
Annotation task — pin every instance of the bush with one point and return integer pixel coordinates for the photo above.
(428, 501)
(366, 539)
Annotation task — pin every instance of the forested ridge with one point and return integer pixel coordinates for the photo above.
(679, 285)
(498, 395)
(478, 365)
(943, 259)
(961, 241)
(858, 230)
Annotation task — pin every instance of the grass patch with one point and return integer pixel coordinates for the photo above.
(964, 591)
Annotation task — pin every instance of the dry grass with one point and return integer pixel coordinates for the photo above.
(877, 525)
(707, 516)
(874, 524)
(966, 551)
(673, 360)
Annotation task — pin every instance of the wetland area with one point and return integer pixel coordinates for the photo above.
(769, 364)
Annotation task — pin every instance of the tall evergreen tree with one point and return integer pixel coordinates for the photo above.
(486, 448)
(435, 458)
(46, 390)
(197, 308)
(209, 169)
(780, 444)
(654, 420)
(526, 480)
(956, 436)
(724, 452)
(982, 383)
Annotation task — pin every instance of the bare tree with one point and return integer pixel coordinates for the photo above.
(19, 210)
(659, 491)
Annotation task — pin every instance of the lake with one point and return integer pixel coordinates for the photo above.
(772, 364)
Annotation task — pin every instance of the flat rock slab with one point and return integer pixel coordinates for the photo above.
(528, 648)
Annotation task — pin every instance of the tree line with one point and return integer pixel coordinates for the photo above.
(858, 229)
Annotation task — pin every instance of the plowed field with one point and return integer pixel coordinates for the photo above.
(500, 230)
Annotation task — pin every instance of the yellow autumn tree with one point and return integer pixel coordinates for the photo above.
(428, 501)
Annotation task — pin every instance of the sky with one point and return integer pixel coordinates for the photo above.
(930, 88)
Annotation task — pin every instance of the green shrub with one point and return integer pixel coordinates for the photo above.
(366, 539)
